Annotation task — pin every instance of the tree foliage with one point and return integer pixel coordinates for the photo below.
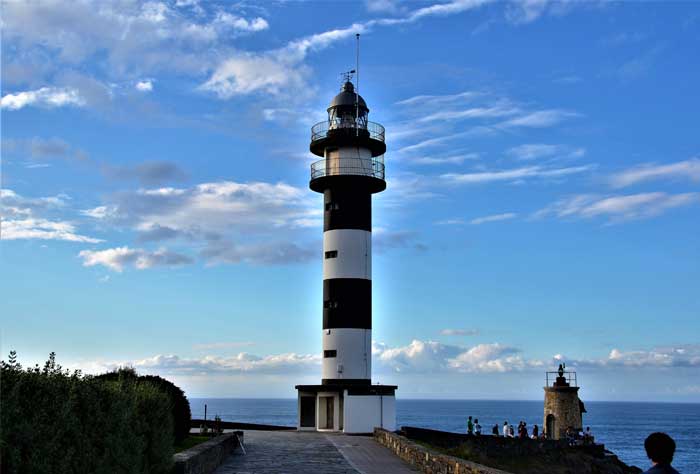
(54, 421)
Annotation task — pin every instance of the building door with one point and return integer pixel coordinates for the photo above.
(307, 419)
(550, 427)
(329, 412)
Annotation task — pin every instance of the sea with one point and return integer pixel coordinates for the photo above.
(621, 426)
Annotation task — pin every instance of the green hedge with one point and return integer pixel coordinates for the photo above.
(182, 416)
(56, 422)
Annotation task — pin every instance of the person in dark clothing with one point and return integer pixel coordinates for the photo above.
(660, 448)
(494, 430)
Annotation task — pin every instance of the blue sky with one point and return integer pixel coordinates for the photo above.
(543, 172)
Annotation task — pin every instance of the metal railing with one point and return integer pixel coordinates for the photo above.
(372, 167)
(569, 376)
(321, 129)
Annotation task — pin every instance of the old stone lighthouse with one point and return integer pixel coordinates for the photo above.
(562, 408)
(350, 171)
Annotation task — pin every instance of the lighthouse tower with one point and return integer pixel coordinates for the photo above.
(563, 409)
(350, 170)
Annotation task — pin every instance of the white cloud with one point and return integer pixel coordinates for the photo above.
(241, 24)
(688, 169)
(617, 208)
(450, 222)
(532, 151)
(540, 119)
(117, 258)
(144, 86)
(42, 229)
(459, 332)
(493, 218)
(445, 160)
(515, 174)
(440, 100)
(687, 355)
(50, 97)
(501, 110)
(430, 356)
(24, 219)
(418, 357)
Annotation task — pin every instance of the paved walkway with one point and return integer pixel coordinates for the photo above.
(292, 452)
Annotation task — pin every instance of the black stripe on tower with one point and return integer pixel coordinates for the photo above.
(347, 303)
(347, 208)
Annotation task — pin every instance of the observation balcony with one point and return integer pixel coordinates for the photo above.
(347, 132)
(561, 379)
(369, 171)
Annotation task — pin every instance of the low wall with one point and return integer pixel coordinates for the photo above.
(428, 460)
(196, 423)
(205, 457)
(496, 446)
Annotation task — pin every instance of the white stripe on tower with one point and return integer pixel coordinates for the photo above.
(347, 254)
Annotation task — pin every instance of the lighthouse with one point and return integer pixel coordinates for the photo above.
(350, 170)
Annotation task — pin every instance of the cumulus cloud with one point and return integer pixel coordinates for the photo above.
(688, 169)
(687, 355)
(26, 219)
(430, 356)
(417, 357)
(617, 208)
(513, 175)
(493, 218)
(42, 229)
(117, 258)
(48, 97)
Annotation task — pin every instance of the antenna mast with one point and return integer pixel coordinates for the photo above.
(357, 86)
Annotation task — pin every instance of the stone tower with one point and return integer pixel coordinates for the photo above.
(562, 407)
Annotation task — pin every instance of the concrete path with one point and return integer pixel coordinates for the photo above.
(369, 457)
(292, 452)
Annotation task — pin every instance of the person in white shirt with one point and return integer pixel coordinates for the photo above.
(477, 428)
(506, 431)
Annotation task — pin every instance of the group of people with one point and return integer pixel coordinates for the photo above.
(474, 428)
(660, 447)
(509, 431)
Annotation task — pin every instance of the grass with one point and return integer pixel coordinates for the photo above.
(190, 441)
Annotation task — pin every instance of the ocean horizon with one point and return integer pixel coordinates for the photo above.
(621, 426)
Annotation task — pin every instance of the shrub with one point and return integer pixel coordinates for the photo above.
(182, 416)
(58, 422)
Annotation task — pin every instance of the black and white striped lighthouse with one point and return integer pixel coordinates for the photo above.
(350, 170)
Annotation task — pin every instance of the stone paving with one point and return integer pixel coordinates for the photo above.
(293, 452)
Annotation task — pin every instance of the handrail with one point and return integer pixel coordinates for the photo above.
(569, 376)
(372, 167)
(321, 129)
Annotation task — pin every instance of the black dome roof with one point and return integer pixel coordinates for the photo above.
(346, 97)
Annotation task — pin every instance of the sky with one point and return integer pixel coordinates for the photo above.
(542, 201)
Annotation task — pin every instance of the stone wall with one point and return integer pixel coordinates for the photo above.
(428, 460)
(206, 457)
(563, 404)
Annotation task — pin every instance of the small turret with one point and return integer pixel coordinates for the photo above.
(562, 408)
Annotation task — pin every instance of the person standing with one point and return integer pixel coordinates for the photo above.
(494, 430)
(470, 426)
(506, 430)
(660, 448)
(535, 432)
(477, 427)
(511, 431)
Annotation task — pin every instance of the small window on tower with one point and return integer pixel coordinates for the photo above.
(330, 353)
(332, 206)
(330, 304)
(332, 254)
